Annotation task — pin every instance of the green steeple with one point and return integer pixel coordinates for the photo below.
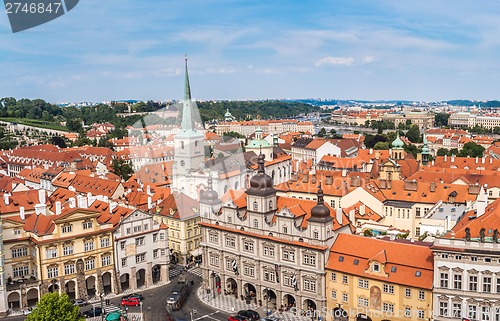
(187, 113)
(398, 143)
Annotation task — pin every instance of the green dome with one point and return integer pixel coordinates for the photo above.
(398, 143)
(258, 143)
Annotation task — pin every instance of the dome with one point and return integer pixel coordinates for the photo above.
(398, 143)
(209, 196)
(261, 183)
(320, 212)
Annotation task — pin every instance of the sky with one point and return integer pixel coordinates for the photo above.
(426, 50)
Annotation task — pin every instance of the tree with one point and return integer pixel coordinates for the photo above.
(371, 141)
(234, 134)
(471, 149)
(381, 145)
(122, 168)
(413, 134)
(322, 132)
(58, 141)
(55, 307)
(442, 152)
(74, 125)
(441, 119)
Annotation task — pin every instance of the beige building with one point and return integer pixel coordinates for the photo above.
(372, 279)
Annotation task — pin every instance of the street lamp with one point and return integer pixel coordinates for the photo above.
(102, 308)
(213, 283)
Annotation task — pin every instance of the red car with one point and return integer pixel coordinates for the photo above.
(131, 301)
(236, 318)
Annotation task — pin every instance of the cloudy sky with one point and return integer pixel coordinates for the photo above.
(345, 49)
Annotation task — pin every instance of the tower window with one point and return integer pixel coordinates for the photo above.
(255, 206)
(182, 145)
(255, 223)
(270, 205)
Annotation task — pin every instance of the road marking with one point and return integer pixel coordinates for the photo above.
(207, 316)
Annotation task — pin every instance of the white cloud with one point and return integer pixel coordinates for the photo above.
(368, 59)
(338, 61)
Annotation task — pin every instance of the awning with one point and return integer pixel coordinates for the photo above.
(196, 252)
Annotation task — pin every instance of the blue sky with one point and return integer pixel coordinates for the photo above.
(346, 49)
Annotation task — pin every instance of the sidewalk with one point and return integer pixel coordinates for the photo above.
(230, 304)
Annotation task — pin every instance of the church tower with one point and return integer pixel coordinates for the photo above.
(261, 194)
(188, 147)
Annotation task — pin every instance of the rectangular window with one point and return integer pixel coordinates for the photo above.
(248, 246)
(140, 258)
(333, 277)
(421, 295)
(388, 288)
(249, 270)
(20, 271)
(417, 231)
(362, 302)
(334, 295)
(214, 260)
(270, 276)
(90, 264)
(230, 242)
(345, 297)
(137, 229)
(363, 283)
(472, 283)
(88, 246)
(105, 242)
(315, 235)
(417, 212)
(457, 310)
(487, 284)
(122, 245)
(421, 314)
(87, 225)
(129, 230)
(443, 309)
(444, 280)
(20, 252)
(155, 254)
(52, 272)
(69, 268)
(213, 238)
(407, 312)
(289, 255)
(139, 241)
(68, 250)
(51, 253)
(472, 312)
(162, 236)
(388, 307)
(309, 259)
(498, 284)
(485, 313)
(310, 285)
(457, 282)
(17, 231)
(124, 261)
(269, 251)
(155, 237)
(344, 279)
(106, 260)
(67, 228)
(408, 293)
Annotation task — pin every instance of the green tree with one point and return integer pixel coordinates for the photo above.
(322, 132)
(74, 125)
(55, 307)
(122, 168)
(413, 134)
(442, 152)
(234, 134)
(471, 149)
(441, 119)
(381, 145)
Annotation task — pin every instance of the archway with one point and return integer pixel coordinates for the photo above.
(70, 289)
(340, 314)
(363, 317)
(309, 305)
(14, 300)
(249, 291)
(124, 281)
(289, 301)
(232, 287)
(106, 282)
(269, 298)
(54, 287)
(156, 272)
(32, 297)
(140, 277)
(90, 282)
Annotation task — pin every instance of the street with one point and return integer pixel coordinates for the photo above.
(154, 304)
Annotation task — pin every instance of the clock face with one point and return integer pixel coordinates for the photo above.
(183, 163)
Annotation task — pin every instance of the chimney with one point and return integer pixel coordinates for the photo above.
(483, 160)
(474, 189)
(477, 159)
(40, 209)
(447, 223)
(432, 162)
(72, 202)
(344, 172)
(411, 185)
(432, 187)
(445, 158)
(58, 208)
(355, 181)
(150, 202)
(112, 207)
(362, 209)
(452, 158)
(6, 198)
(338, 215)
(371, 151)
(21, 213)
(41, 196)
(377, 154)
(352, 216)
(148, 190)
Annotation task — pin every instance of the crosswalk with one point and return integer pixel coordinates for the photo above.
(107, 308)
(196, 271)
(175, 270)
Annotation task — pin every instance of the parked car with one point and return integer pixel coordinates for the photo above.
(80, 302)
(27, 311)
(249, 315)
(131, 301)
(135, 295)
(236, 318)
(94, 312)
(270, 319)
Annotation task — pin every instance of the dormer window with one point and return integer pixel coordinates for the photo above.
(376, 267)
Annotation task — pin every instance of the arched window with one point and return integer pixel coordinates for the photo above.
(226, 188)
(270, 205)
(196, 143)
(255, 206)
(256, 223)
(182, 145)
(236, 185)
(273, 173)
(285, 229)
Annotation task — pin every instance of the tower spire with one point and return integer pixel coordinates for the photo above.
(187, 112)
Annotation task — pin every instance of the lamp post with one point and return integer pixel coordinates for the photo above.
(102, 308)
(142, 314)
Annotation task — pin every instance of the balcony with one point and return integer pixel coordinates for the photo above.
(18, 283)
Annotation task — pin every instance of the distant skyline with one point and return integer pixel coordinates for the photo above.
(349, 49)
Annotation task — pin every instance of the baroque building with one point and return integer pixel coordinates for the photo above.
(266, 248)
